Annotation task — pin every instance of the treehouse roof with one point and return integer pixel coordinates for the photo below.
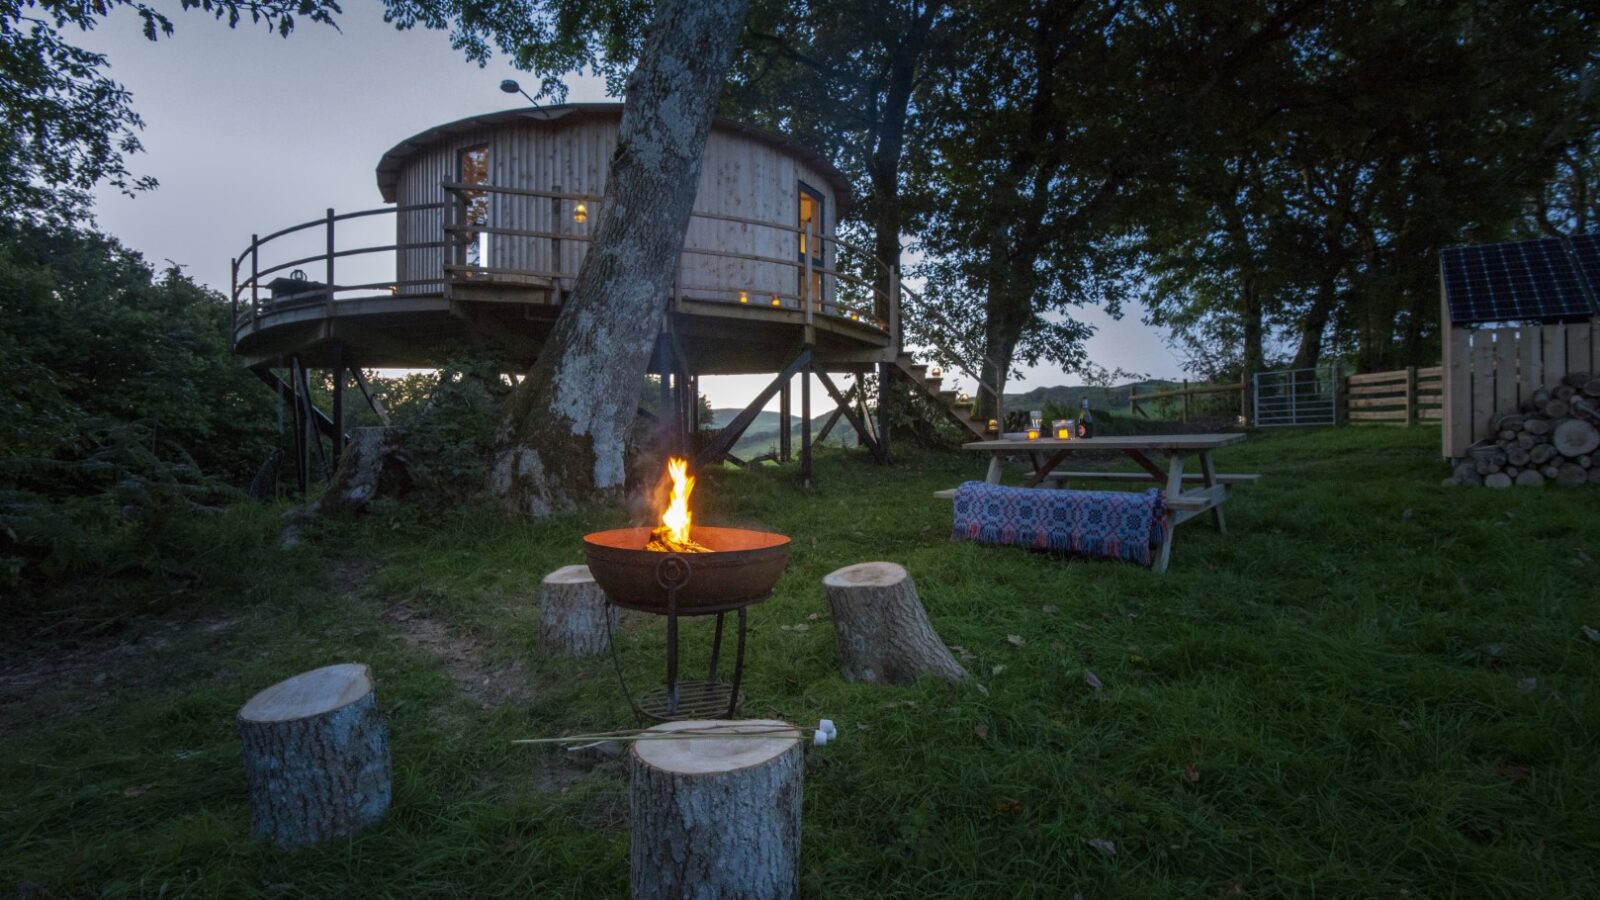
(395, 160)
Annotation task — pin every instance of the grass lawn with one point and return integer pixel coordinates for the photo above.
(1373, 687)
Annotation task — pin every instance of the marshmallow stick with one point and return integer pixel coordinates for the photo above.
(824, 733)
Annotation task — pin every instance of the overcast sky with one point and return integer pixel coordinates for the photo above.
(248, 132)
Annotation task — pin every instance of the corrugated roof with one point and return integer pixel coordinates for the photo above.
(394, 161)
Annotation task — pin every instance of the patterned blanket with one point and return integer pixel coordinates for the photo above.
(1113, 524)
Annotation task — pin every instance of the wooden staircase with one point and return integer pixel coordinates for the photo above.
(963, 411)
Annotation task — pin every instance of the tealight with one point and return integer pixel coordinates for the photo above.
(1063, 429)
(1033, 434)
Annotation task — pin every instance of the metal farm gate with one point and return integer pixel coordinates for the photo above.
(1297, 397)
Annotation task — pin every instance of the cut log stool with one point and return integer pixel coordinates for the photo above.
(316, 754)
(882, 631)
(574, 616)
(716, 817)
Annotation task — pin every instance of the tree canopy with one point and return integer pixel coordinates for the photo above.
(65, 124)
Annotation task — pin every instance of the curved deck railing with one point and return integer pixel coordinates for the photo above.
(851, 296)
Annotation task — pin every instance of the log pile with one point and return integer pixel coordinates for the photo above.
(1554, 437)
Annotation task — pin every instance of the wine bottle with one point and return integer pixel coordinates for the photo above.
(1086, 421)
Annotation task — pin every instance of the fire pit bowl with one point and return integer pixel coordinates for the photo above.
(741, 569)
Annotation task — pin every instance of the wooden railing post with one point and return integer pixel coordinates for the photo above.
(328, 275)
(452, 222)
(1185, 400)
(805, 283)
(255, 278)
(1411, 395)
(233, 302)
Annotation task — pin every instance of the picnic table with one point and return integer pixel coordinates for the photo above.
(1189, 494)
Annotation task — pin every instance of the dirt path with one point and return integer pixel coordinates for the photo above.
(63, 676)
(460, 654)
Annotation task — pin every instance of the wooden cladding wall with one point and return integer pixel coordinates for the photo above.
(739, 176)
(1487, 370)
(1400, 397)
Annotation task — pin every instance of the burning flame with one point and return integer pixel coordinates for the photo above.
(673, 535)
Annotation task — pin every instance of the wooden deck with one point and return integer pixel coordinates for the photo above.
(417, 330)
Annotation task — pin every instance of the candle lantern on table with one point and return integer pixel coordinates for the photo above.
(994, 426)
(1062, 429)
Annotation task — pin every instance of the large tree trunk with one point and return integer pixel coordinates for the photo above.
(562, 437)
(906, 60)
(1312, 325)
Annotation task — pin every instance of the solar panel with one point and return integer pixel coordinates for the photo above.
(1511, 282)
(1586, 248)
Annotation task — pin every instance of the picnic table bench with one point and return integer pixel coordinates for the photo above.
(1188, 494)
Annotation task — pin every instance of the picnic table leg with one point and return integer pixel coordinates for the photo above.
(1174, 488)
(994, 469)
(1210, 471)
(1160, 565)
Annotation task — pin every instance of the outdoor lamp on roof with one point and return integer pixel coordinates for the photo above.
(511, 87)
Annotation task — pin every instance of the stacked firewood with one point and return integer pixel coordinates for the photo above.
(1553, 438)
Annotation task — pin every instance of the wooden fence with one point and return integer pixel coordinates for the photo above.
(1492, 369)
(1401, 397)
(1188, 390)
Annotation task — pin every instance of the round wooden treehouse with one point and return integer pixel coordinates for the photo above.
(489, 220)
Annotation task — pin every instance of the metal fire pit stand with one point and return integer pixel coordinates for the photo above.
(696, 699)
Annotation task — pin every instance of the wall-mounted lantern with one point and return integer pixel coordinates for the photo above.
(580, 213)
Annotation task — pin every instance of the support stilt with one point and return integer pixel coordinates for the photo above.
(805, 427)
(885, 382)
(338, 400)
(302, 451)
(860, 425)
(313, 436)
(785, 426)
(665, 403)
(718, 447)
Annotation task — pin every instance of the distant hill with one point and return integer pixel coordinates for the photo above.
(1106, 398)
(762, 435)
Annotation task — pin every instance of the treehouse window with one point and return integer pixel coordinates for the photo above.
(472, 167)
(811, 230)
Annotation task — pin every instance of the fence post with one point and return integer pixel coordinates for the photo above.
(233, 301)
(1244, 399)
(1411, 395)
(1186, 400)
(1341, 399)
